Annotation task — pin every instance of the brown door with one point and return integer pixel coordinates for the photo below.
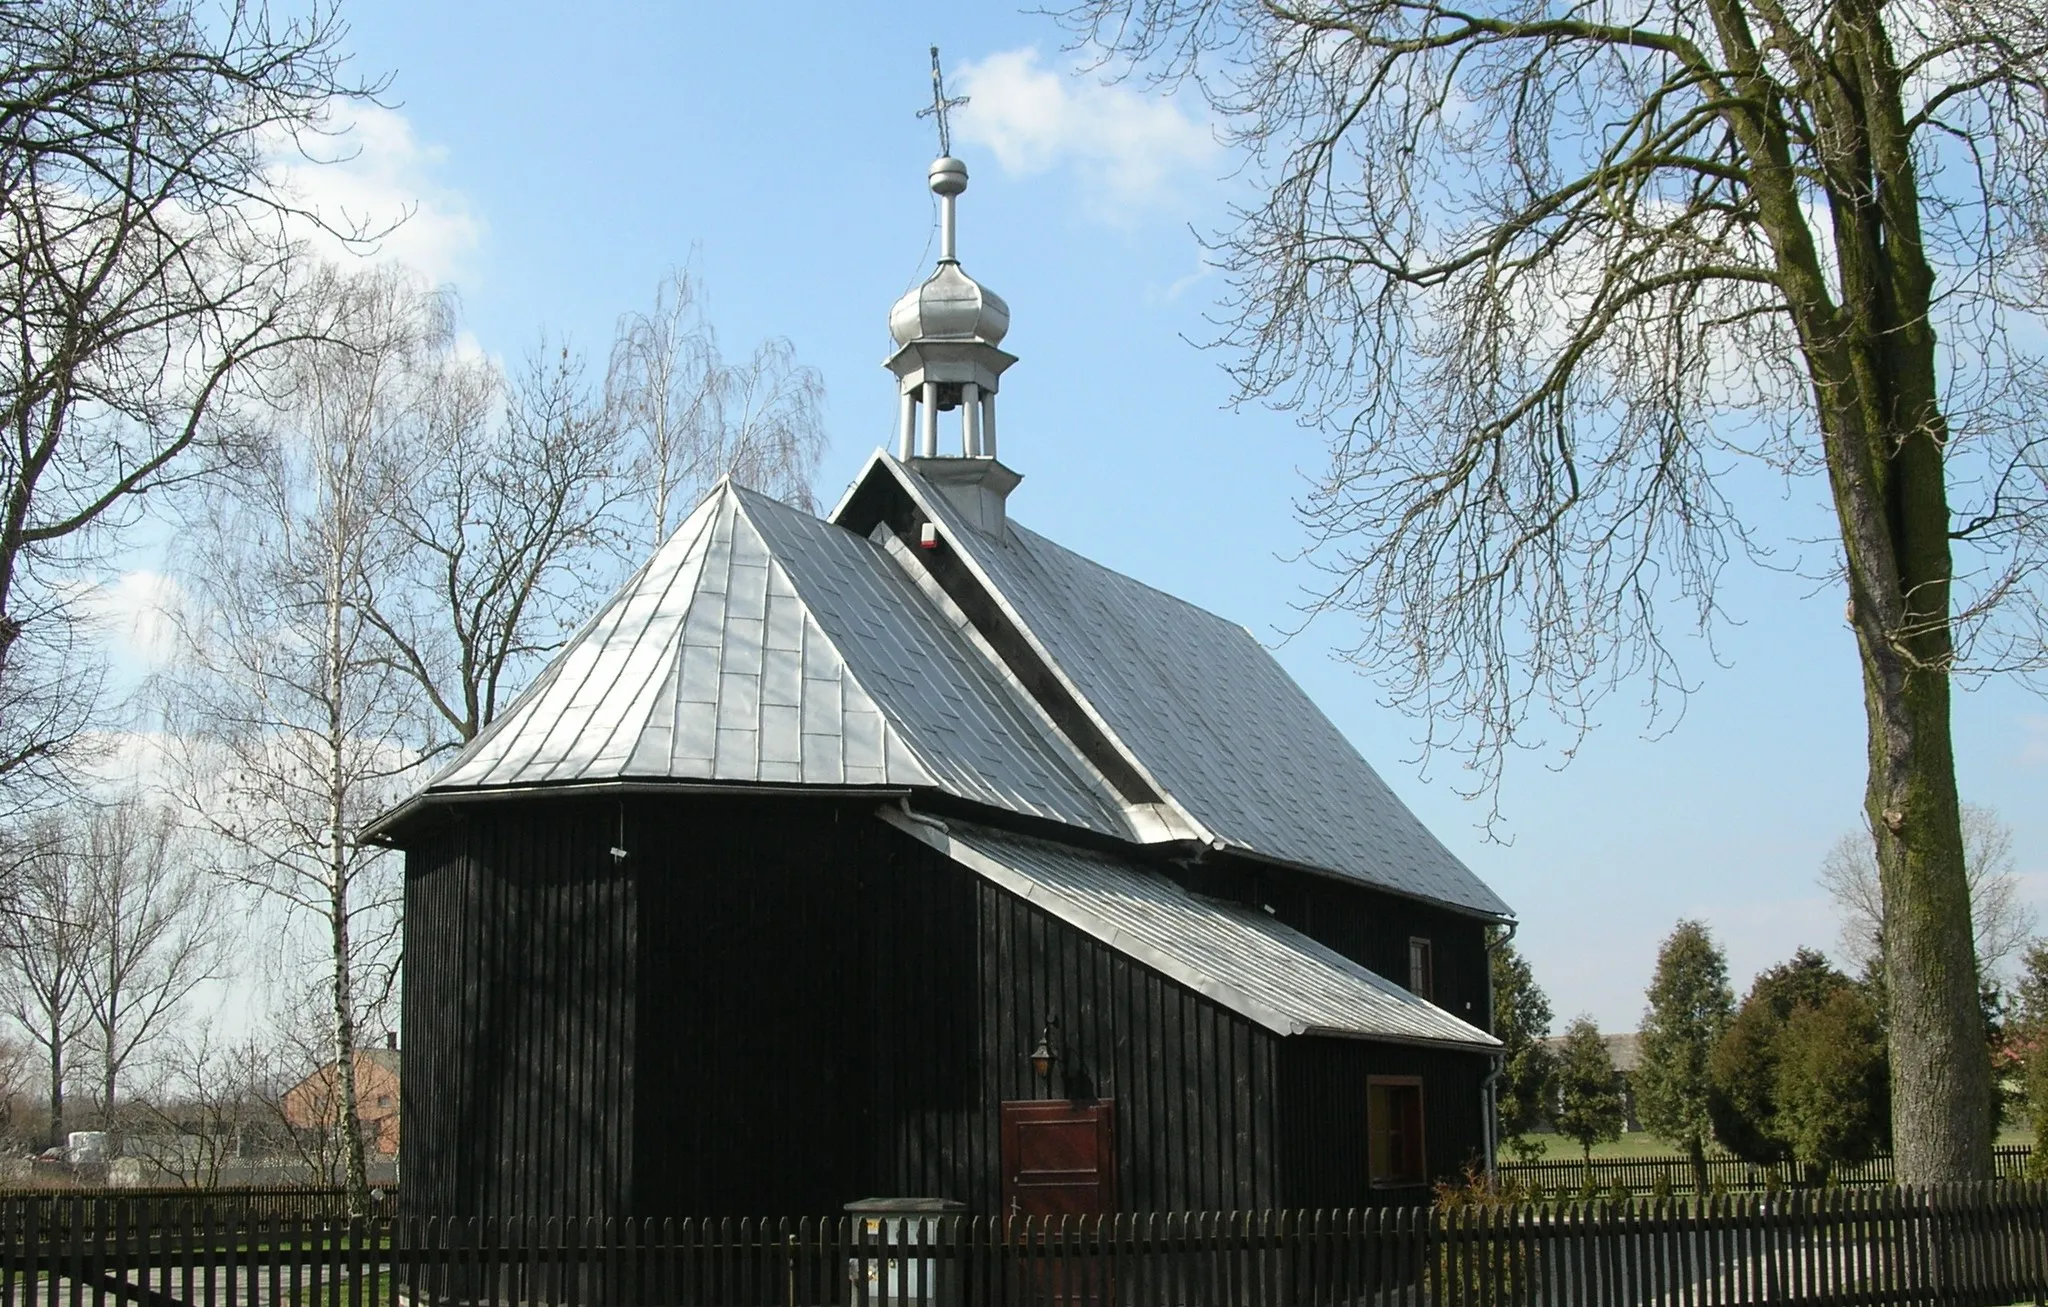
(1059, 1159)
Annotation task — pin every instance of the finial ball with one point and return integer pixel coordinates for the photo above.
(948, 176)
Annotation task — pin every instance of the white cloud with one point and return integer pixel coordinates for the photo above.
(136, 613)
(374, 173)
(139, 759)
(1132, 151)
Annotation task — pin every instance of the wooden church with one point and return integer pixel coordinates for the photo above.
(907, 853)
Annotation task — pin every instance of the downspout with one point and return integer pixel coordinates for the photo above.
(1487, 1109)
(943, 829)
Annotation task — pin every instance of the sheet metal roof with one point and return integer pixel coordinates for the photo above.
(761, 645)
(1208, 713)
(1236, 956)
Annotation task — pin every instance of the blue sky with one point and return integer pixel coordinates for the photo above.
(559, 159)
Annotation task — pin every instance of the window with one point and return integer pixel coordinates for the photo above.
(1421, 970)
(1393, 1118)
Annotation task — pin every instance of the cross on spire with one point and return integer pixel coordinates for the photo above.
(937, 108)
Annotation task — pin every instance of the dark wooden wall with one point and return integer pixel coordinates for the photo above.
(779, 1005)
(857, 1006)
(518, 1024)
(1322, 1097)
(1192, 1082)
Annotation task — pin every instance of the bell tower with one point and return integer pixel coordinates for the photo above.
(947, 331)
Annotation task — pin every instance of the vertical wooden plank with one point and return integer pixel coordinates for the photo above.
(38, 1272)
(95, 1269)
(11, 1235)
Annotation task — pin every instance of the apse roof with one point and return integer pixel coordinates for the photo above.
(1238, 957)
(760, 645)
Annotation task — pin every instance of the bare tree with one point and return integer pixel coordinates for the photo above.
(696, 418)
(155, 933)
(506, 528)
(48, 948)
(1545, 275)
(17, 1077)
(304, 727)
(146, 282)
(2000, 922)
(208, 1097)
(298, 1103)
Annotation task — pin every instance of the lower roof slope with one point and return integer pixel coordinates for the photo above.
(1237, 957)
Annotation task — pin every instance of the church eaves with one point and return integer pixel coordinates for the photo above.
(760, 646)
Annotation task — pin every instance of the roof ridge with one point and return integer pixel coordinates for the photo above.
(1098, 720)
(746, 502)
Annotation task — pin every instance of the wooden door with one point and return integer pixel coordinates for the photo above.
(1059, 1161)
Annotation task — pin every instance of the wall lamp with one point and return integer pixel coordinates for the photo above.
(1044, 1055)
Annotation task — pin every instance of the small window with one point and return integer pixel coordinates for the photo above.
(1394, 1127)
(1421, 969)
(383, 1100)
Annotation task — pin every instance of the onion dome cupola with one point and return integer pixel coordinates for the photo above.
(947, 331)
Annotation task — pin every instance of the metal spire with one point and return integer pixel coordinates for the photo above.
(937, 108)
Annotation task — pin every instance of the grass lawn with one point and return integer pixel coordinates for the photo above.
(1557, 1148)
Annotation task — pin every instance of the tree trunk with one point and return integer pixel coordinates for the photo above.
(355, 1177)
(1887, 440)
(1696, 1154)
(1940, 1061)
(1885, 447)
(57, 1135)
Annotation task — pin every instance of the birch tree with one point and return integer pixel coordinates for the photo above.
(693, 417)
(506, 528)
(304, 725)
(1549, 275)
(2000, 921)
(147, 282)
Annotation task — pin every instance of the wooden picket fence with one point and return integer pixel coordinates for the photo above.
(1960, 1245)
(1673, 1172)
(229, 1206)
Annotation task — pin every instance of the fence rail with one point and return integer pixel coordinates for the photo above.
(226, 1206)
(1673, 1173)
(1961, 1245)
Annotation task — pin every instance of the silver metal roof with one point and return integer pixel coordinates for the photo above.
(949, 305)
(1206, 712)
(761, 645)
(1239, 958)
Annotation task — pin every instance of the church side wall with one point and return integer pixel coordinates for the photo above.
(1374, 929)
(520, 936)
(1191, 1081)
(754, 1095)
(1322, 1106)
(777, 1006)
(831, 1010)
(1369, 926)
